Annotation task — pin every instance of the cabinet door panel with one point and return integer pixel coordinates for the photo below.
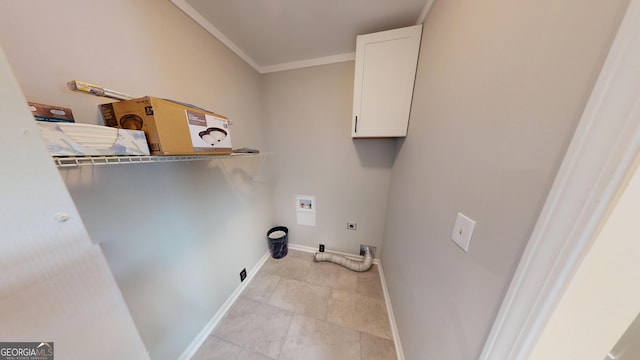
(385, 73)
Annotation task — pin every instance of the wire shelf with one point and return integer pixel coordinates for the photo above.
(75, 161)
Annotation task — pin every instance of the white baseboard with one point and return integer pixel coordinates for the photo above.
(392, 317)
(213, 323)
(312, 250)
(219, 315)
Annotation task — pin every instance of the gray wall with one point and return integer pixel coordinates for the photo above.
(54, 280)
(500, 88)
(309, 120)
(175, 235)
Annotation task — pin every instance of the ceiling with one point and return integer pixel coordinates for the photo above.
(275, 35)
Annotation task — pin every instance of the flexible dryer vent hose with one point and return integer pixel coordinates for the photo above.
(359, 266)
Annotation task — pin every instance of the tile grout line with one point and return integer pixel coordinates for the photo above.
(289, 312)
(286, 335)
(386, 298)
(360, 343)
(324, 318)
(274, 289)
(359, 281)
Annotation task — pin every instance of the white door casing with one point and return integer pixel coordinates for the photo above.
(595, 168)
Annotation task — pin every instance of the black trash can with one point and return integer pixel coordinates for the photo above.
(278, 237)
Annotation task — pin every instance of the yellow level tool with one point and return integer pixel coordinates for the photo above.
(97, 90)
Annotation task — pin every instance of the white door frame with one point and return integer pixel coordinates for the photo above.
(595, 167)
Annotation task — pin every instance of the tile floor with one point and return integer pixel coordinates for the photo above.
(297, 309)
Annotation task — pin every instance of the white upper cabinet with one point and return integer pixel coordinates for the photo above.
(384, 75)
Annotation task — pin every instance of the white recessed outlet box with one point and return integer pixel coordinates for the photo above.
(306, 210)
(462, 231)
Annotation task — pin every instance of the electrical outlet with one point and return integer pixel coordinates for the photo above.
(462, 231)
(352, 225)
(243, 274)
(371, 248)
(321, 249)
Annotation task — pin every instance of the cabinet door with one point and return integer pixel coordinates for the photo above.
(384, 75)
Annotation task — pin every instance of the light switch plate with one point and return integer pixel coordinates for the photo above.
(462, 231)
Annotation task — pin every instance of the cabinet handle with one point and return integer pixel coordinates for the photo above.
(356, 129)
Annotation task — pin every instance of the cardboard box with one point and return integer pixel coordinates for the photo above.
(172, 128)
(65, 139)
(51, 113)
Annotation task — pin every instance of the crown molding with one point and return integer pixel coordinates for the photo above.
(197, 17)
(202, 21)
(309, 62)
(425, 11)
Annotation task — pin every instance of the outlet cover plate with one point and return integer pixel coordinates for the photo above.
(243, 274)
(462, 231)
(372, 248)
